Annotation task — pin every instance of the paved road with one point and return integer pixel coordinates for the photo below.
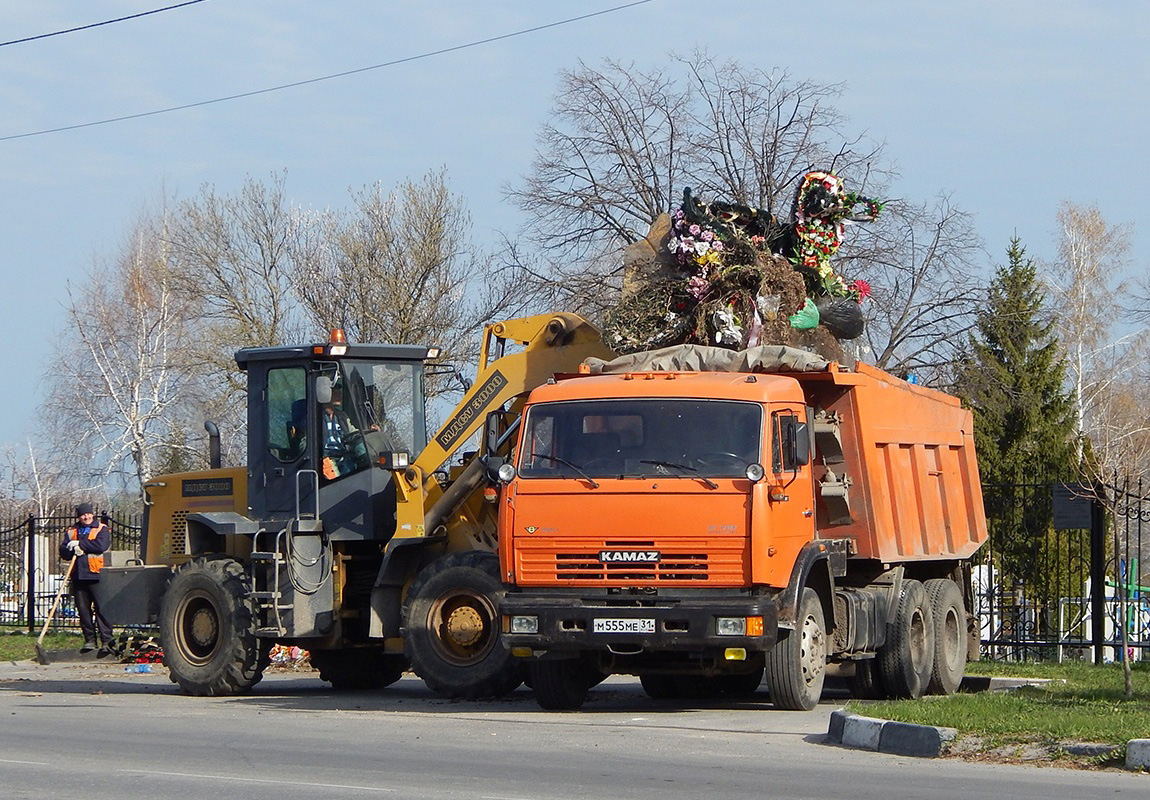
(97, 733)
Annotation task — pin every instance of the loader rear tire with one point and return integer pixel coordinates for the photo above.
(354, 669)
(451, 629)
(948, 618)
(207, 627)
(906, 659)
(797, 664)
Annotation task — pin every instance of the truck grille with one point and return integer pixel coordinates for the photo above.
(719, 562)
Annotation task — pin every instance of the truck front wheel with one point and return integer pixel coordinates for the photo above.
(207, 627)
(560, 685)
(797, 664)
(451, 628)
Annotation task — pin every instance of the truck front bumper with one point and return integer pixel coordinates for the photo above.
(579, 623)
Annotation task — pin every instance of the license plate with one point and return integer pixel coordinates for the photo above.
(624, 626)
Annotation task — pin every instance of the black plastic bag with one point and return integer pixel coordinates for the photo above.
(842, 316)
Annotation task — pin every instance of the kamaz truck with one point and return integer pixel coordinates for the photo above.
(700, 518)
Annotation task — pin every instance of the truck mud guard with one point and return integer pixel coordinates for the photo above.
(820, 557)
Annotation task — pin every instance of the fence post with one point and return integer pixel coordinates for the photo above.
(30, 579)
(1098, 573)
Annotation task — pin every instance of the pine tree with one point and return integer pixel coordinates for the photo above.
(1013, 380)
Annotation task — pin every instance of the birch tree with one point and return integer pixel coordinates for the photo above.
(117, 383)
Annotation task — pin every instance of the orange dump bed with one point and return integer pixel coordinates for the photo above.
(908, 454)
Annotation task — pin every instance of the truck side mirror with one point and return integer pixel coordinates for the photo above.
(802, 443)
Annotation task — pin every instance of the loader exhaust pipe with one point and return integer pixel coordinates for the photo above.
(213, 443)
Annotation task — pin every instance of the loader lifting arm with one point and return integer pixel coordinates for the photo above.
(552, 343)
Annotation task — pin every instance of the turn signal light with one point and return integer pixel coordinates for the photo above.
(777, 494)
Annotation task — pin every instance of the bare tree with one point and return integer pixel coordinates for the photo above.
(1086, 283)
(234, 261)
(116, 383)
(401, 268)
(921, 264)
(624, 143)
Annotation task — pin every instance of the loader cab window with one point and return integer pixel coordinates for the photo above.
(287, 413)
(370, 408)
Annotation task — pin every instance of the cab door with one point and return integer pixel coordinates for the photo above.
(783, 513)
(281, 449)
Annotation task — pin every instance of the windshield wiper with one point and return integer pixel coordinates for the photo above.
(672, 465)
(594, 483)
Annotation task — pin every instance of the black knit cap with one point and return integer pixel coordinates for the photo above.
(84, 508)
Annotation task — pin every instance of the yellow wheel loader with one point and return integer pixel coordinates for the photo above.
(347, 533)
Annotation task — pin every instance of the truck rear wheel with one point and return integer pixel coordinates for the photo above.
(451, 628)
(207, 626)
(797, 664)
(358, 668)
(559, 685)
(948, 618)
(905, 661)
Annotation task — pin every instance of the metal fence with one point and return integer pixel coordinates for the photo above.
(1066, 569)
(31, 571)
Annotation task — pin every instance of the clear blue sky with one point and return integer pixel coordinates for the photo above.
(1008, 107)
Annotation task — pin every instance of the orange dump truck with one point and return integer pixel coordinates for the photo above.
(697, 518)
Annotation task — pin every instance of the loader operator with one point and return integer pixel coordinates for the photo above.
(344, 451)
(87, 541)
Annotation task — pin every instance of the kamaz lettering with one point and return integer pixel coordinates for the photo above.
(631, 556)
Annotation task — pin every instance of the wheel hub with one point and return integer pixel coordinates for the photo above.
(464, 626)
(203, 629)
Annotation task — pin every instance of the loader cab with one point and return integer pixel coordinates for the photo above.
(324, 423)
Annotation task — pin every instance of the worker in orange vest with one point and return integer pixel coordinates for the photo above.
(88, 540)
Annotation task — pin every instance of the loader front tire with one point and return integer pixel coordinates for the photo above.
(207, 628)
(451, 629)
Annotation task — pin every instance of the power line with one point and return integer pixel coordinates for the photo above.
(98, 24)
(268, 90)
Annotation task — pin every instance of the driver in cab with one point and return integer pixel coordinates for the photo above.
(343, 448)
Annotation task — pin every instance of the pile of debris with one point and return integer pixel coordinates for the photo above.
(732, 276)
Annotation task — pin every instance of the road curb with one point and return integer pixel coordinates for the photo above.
(887, 736)
(1138, 754)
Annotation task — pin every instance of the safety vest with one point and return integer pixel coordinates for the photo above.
(95, 560)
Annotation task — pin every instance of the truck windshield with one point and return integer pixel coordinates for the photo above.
(639, 438)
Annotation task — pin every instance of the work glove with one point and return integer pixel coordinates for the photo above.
(75, 547)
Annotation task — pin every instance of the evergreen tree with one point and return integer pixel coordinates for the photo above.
(1013, 378)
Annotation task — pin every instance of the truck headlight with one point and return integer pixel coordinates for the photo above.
(739, 626)
(731, 626)
(524, 624)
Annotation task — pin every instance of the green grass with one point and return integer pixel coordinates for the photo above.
(17, 644)
(1081, 703)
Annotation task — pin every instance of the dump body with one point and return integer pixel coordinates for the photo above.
(909, 453)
